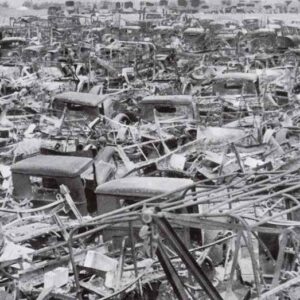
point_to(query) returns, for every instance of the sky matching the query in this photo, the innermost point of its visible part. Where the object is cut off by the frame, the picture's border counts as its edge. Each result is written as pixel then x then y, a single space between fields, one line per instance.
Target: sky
pixel 18 3
pixel 15 3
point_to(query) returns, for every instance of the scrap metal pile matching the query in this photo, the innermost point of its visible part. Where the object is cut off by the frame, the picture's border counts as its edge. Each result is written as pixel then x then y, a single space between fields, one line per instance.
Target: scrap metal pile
pixel 158 159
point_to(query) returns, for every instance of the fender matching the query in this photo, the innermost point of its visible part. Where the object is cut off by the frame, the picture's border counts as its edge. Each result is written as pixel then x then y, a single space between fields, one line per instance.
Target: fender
pixel 25 71
pixel 121 117
pixel 82 81
pixel 79 70
pixel 186 89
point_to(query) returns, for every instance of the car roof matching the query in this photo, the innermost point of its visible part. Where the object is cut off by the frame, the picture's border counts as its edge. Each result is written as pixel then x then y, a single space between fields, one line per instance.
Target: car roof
pixel 52 166
pixel 12 39
pixel 192 30
pixel 237 76
pixel 142 186
pixel 84 99
pixel 34 48
pixel 131 27
pixel 168 99
pixel 163 27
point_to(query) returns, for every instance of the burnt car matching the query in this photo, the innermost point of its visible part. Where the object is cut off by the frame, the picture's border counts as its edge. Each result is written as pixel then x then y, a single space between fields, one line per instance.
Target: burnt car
pixel 89 106
pixel 193 38
pixel 11 48
pixel 237 84
pixel 123 192
pixel 175 107
pixel 33 53
pixel 228 94
pixel 38 179
pixel 251 24
pixel 79 105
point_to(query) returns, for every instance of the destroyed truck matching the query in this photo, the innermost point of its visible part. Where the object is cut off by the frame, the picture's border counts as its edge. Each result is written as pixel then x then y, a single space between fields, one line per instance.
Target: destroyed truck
pixel 175 108
pixel 172 114
pixel 123 192
pixel 38 178
pixel 193 38
pixel 11 49
pixel 228 95
pixel 79 105
pixel 84 111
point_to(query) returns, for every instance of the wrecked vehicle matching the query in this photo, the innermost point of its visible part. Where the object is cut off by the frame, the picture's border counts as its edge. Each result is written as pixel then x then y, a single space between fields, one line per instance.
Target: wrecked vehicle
pixel 230 94
pixel 38 178
pixel 126 191
pixel 33 53
pixel 80 105
pixel 193 38
pixel 11 49
pixel 176 107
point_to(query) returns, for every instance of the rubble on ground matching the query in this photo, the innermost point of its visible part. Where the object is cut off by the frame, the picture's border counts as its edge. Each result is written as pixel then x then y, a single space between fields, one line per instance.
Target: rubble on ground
pixel 156 159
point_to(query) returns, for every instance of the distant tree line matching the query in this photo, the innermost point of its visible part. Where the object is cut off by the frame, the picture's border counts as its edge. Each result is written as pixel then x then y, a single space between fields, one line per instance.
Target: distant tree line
pixel 42 5
pixel 4 4
pixel 193 3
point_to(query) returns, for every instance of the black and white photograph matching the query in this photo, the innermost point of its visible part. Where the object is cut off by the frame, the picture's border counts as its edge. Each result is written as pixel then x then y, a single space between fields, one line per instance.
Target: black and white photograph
pixel 150 150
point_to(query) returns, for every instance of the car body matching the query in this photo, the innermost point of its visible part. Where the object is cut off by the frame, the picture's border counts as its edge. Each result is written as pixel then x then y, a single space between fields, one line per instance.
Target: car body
pixel 11 47
pixel 179 107
pixel 79 105
pixel 38 179
pixel 122 192
pixel 32 53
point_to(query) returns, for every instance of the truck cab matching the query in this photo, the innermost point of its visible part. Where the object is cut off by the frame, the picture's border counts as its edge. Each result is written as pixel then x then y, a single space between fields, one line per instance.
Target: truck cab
pixel 130 190
pixel 38 179
pixel 11 48
pixel 193 38
pixel 79 105
pixel 175 107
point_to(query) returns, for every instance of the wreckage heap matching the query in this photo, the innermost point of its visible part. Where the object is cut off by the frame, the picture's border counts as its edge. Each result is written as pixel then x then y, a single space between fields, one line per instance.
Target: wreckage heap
pixel 155 159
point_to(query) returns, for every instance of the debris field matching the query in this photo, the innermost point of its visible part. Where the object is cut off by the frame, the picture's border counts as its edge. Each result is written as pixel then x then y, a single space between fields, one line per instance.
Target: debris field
pixel 149 159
